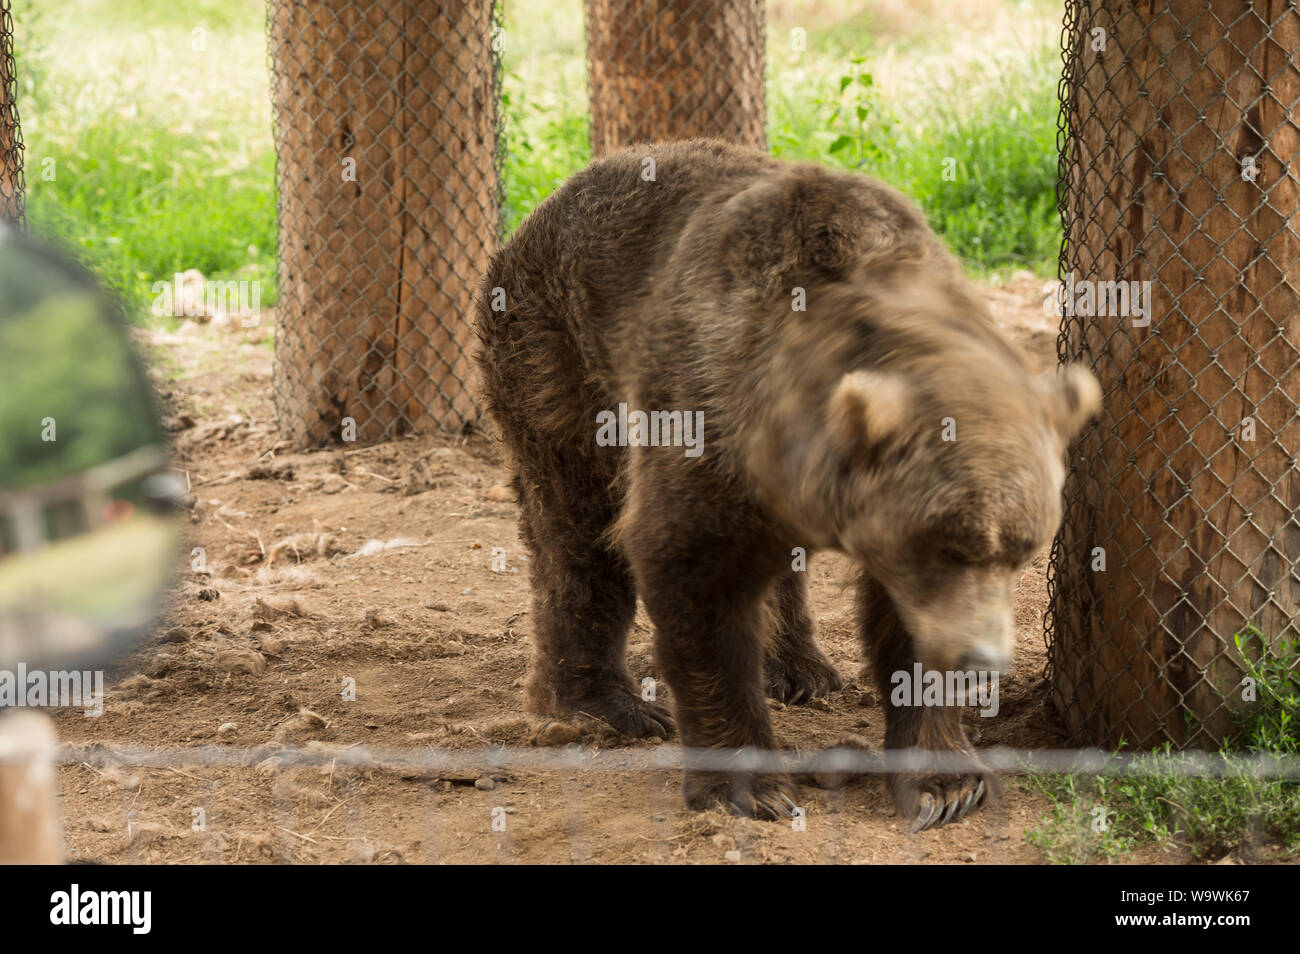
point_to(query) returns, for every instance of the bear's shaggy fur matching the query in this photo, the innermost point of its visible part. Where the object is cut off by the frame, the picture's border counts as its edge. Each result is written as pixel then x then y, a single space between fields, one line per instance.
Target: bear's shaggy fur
pixel 855 395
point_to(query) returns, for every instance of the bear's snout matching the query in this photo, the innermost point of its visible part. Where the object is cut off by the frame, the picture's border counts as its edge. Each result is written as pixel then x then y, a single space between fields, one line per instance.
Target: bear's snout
pixel 984 658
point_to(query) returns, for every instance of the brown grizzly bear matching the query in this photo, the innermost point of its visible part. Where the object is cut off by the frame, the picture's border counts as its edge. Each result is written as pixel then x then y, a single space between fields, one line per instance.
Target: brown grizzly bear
pixel 701 358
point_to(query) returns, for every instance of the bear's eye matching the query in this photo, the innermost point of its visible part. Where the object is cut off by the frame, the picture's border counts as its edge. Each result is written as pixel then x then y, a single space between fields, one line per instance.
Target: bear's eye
pixel 954 555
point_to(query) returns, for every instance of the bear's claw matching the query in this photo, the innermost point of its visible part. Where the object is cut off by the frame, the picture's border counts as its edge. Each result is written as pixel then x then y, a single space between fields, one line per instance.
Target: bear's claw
pixel 945 801
pixel 762 796
pixel 799 680
pixel 640 721
pixel 624 710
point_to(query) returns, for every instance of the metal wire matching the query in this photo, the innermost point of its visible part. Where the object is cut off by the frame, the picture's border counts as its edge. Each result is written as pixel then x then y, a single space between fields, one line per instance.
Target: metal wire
pixel 662 758
pixel 1178 168
pixel 12 185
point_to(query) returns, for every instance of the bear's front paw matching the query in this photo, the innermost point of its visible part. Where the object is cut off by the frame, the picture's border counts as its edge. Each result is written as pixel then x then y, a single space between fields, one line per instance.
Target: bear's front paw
pixel 765 796
pixel 932 801
pixel 798 680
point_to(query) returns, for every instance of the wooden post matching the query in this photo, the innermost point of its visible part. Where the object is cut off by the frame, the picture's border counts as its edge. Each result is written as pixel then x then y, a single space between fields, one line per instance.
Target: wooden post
pixel 1183 168
pixel 385 116
pixel 675 69
pixel 29 821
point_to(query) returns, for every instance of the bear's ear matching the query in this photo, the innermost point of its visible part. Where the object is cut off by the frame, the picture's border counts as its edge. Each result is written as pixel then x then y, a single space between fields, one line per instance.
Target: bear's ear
pixel 866 409
pixel 1075 396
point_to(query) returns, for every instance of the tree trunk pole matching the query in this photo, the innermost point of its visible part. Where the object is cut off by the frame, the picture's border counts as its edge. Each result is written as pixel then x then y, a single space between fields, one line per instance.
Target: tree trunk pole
pixel 675 69
pixel 385 118
pixel 1183 162
pixel 29 820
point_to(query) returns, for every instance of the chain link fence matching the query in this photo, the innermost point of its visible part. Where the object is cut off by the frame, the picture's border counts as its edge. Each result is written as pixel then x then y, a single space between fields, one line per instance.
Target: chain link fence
pixel 388 140
pixel 11 140
pixel 386 128
pixel 1175 572
pixel 675 69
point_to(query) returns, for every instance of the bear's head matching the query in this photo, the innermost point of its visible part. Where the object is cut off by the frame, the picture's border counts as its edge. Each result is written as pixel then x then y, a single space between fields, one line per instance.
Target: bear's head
pixel 963 486
pixel 915 437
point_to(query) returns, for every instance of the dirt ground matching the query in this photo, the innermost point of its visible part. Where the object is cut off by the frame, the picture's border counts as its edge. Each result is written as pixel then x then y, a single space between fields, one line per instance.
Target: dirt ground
pixel 372 567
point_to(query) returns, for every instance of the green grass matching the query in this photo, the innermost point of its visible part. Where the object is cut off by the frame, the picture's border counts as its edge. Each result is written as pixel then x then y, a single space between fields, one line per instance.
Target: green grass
pixel 544 103
pixel 138 200
pixel 1098 818
pixel 144 155
pixel 162 158
pixel 542 150
pixel 974 144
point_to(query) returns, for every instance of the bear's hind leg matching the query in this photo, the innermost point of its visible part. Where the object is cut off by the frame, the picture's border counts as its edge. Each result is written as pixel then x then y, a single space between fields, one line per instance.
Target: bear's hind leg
pixel 929 797
pixel 795 670
pixel 583 600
